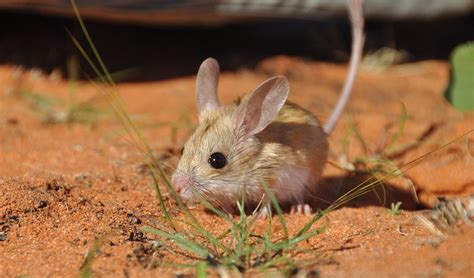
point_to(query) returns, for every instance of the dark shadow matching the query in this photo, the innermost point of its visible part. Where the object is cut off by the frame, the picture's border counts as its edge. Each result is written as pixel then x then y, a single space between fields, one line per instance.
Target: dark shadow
pixel 331 188
pixel 160 52
pixel 36 41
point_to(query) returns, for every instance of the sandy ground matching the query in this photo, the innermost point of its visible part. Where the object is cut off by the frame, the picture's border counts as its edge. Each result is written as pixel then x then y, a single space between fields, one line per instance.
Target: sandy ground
pixel 64 185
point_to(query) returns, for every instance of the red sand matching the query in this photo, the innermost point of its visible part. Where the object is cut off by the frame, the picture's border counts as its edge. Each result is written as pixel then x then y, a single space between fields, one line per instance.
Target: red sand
pixel 62 186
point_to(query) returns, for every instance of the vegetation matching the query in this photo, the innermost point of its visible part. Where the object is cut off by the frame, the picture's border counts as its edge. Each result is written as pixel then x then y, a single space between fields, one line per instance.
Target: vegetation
pixel 395 208
pixel 379 161
pixel 55 110
pixel 460 91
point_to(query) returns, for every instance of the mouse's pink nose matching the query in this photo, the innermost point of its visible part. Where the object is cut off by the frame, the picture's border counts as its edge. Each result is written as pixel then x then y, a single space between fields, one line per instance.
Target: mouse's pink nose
pixel 182 182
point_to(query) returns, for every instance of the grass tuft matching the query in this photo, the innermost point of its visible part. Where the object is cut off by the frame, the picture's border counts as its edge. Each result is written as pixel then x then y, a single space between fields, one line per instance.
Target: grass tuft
pixel 378 163
pixel 395 208
pixel 54 110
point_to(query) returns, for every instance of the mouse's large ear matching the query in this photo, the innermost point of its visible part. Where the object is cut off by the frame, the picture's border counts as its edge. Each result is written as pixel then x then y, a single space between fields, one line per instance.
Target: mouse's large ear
pixel 206 86
pixel 262 106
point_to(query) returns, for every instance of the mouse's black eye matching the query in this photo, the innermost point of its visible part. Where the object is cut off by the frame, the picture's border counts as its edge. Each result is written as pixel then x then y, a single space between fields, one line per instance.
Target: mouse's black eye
pixel 217 160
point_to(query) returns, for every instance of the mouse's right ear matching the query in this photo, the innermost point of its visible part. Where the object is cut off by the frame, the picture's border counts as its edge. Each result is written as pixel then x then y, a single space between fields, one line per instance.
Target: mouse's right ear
pixel 206 86
pixel 262 106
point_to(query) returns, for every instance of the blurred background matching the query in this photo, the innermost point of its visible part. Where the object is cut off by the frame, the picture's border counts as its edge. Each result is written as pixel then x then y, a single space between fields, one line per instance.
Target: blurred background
pixel 153 40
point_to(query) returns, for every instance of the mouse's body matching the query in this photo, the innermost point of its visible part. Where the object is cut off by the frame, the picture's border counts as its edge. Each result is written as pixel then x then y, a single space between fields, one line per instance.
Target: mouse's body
pixel 288 155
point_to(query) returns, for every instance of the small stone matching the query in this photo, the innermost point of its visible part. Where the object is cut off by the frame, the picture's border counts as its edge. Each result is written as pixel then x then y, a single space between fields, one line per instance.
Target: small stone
pixel 142 169
pixel 12 121
pixel 43 204
pixel 3 236
pixel 13 218
pixel 80 177
pixel 132 219
pixel 313 274
pixel 136 235
pixel 155 244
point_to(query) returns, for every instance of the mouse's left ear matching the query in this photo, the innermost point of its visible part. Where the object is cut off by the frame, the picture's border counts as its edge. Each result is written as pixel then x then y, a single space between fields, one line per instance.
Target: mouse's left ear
pixel 262 106
pixel 206 86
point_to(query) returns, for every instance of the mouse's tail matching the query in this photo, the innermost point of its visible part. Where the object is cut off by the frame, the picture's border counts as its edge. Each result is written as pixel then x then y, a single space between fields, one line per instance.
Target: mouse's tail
pixel 356 15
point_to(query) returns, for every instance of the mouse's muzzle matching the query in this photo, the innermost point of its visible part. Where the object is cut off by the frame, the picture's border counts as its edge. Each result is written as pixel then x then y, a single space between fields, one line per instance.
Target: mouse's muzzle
pixel 182 184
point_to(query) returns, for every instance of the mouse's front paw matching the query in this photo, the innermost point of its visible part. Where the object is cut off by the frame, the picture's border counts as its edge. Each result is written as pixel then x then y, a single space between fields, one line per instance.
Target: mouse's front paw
pixel 303 209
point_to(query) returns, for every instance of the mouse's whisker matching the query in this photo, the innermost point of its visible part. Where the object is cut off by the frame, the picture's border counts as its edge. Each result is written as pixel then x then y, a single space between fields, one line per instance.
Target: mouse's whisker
pixel 204 193
pixel 288 189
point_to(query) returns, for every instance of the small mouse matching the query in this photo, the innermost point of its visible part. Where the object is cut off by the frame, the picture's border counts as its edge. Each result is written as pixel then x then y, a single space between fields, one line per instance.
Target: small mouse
pixel 260 139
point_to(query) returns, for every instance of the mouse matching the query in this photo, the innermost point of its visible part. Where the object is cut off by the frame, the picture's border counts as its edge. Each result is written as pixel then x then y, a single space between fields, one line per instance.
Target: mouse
pixel 261 140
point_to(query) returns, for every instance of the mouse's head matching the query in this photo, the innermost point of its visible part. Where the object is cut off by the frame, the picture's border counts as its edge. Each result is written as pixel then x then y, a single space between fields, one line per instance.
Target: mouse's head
pixel 219 160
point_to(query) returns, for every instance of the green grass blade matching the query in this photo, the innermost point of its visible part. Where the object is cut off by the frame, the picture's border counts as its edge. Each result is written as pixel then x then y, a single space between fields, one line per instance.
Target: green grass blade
pixel 401 129
pixel 91 43
pixel 201 270
pixel 316 217
pixel 181 241
pixel 85 269
pixel 277 208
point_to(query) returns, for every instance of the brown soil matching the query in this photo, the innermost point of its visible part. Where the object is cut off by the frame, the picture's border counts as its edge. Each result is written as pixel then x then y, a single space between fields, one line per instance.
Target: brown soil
pixel 64 185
